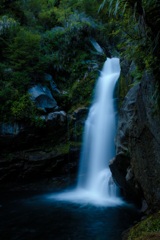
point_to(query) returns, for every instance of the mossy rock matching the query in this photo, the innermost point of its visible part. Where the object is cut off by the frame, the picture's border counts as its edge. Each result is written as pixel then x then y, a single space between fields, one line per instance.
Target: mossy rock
pixel 147 229
pixel 150 236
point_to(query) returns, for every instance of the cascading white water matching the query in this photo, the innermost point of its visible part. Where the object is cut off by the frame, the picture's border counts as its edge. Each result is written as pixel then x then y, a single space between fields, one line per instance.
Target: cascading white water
pixel 98 144
pixel 95 184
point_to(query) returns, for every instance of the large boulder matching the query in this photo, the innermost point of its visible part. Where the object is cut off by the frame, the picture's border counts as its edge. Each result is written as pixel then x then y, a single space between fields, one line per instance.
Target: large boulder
pixel 136 167
pixel 42 97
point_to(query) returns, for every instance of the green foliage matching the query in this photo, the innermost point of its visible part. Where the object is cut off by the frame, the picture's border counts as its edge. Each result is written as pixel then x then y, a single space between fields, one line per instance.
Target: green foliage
pixel 81 92
pixel 69 48
pixel 47 18
pixel 25 53
pixel 146 228
pixel 138 32
pixel 38 37
pixel 62 148
pixel 123 88
pixel 69 44
pixel 54 37
pixel 64 101
pixel 135 31
pixel 8 28
pixel 23 108
pixel 7 24
pixel 20 81
pixel 35 120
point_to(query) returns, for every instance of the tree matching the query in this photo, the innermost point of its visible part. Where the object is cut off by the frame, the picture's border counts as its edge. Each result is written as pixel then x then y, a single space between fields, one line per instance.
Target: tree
pixel 25 54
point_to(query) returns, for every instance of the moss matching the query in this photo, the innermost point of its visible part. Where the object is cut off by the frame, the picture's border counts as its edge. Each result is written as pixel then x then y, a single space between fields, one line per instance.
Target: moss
pixel 76 144
pixel 146 229
pixel 122 88
pixel 62 148
pixel 81 92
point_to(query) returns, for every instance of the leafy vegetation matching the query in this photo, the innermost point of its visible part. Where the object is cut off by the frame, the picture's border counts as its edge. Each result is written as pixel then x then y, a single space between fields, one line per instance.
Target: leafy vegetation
pixel 136 34
pixel 56 37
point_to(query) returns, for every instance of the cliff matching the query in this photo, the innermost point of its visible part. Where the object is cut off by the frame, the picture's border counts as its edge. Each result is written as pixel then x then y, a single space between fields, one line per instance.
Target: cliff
pixel 136 166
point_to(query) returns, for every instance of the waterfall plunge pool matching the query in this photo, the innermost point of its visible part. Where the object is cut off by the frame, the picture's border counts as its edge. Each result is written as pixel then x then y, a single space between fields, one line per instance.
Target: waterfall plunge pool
pixel 27 216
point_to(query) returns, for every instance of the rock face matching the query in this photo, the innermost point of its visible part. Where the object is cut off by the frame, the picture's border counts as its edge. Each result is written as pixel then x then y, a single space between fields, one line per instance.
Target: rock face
pixel 11 128
pixel 32 165
pixel 48 78
pixel 78 119
pixel 28 153
pixel 19 135
pixel 42 97
pixel 136 167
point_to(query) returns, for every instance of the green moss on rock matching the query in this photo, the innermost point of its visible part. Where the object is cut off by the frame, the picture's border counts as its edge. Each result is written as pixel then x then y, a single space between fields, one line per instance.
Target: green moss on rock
pixel 147 229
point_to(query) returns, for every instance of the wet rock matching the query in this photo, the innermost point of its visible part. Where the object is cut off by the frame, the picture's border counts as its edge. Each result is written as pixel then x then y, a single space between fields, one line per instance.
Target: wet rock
pixel 48 78
pixel 35 165
pixel 18 136
pixel 77 121
pixel 57 118
pixel 42 97
pixel 11 129
pixel 80 114
pixel 129 175
pixel 138 139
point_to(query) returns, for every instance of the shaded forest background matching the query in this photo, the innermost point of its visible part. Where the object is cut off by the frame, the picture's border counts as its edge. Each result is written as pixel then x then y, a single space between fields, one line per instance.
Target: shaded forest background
pixel 57 37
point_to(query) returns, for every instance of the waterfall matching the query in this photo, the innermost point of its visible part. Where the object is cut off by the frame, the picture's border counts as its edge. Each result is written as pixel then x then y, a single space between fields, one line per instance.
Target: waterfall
pixel 95 184
pixel 98 142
